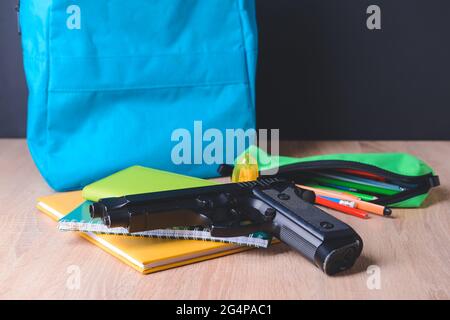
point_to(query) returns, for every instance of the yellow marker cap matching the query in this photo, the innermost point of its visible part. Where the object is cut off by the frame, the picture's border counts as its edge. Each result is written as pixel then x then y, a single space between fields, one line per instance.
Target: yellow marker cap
pixel 246 169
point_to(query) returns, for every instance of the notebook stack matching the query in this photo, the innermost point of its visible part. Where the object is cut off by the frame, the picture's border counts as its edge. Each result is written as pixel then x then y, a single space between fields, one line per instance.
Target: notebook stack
pixel 148 251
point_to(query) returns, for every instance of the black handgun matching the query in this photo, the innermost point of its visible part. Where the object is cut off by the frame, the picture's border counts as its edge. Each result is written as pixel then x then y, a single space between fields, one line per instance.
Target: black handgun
pixel 269 205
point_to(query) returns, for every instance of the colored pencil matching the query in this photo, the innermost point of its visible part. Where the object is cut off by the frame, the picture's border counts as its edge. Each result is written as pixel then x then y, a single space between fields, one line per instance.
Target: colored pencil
pixel 360 204
pixel 364 181
pixel 363 174
pixel 362 196
pixel 373 208
pixel 346 203
pixel 329 193
pixel 336 206
pixel 355 186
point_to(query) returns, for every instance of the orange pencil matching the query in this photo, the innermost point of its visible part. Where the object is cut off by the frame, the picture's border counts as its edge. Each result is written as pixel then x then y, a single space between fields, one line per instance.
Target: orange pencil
pixel 329 193
pixel 373 208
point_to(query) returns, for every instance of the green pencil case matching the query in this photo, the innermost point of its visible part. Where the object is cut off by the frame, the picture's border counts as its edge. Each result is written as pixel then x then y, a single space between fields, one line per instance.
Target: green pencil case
pixel 413 176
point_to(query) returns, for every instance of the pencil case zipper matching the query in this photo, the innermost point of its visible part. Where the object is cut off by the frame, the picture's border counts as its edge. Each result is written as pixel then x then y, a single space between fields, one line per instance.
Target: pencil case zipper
pixel 422 183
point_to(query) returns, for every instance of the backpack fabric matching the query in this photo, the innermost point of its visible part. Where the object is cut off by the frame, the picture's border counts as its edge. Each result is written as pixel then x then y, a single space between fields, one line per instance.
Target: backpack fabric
pixel 110 80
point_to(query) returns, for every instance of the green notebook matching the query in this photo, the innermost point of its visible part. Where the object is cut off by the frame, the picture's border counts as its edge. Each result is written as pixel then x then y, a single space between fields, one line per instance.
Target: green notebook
pixel 135 180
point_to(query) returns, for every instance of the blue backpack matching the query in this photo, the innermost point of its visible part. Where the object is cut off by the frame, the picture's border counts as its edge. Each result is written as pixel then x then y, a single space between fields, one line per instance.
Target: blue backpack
pixel 110 80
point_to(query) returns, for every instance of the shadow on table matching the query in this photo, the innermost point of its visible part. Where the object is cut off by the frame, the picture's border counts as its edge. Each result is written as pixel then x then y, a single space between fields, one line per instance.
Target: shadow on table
pixel 361 265
pixel 437 195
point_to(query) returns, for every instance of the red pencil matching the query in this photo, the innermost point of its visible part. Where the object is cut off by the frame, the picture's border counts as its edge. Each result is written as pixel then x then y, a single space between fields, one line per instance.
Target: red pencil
pixel 336 206
pixel 363 174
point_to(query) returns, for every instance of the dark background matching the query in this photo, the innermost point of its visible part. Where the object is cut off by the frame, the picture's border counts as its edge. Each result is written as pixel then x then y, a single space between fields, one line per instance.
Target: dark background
pixel 322 74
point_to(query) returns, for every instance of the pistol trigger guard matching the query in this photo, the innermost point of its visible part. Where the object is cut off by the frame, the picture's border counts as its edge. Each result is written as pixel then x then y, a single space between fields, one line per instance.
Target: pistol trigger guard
pixel 226 231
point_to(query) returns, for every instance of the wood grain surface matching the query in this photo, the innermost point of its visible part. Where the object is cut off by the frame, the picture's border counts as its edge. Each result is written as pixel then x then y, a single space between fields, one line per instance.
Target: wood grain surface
pixel 411 249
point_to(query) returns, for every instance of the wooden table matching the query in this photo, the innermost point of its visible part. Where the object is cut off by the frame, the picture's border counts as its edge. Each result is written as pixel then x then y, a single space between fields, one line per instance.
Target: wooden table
pixel 410 250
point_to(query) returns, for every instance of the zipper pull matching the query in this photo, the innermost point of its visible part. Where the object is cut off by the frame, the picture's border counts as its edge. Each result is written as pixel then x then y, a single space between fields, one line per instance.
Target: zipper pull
pixel 19 28
pixel 434 181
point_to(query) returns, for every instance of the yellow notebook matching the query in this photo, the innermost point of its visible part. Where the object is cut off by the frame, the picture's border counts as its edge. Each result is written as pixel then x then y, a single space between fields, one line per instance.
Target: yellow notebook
pixel 146 255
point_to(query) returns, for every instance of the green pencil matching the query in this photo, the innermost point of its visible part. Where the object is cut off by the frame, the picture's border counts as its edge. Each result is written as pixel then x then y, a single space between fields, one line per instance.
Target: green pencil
pixel 355 186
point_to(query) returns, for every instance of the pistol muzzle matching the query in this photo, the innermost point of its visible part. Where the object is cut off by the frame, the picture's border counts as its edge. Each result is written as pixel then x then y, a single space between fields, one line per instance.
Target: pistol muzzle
pixel 97 210
pixel 117 218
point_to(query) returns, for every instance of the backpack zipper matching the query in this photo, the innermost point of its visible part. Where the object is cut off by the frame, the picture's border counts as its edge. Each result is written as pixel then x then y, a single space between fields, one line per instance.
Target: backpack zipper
pixel 19 28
